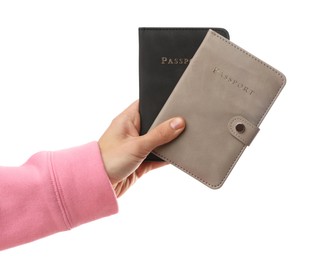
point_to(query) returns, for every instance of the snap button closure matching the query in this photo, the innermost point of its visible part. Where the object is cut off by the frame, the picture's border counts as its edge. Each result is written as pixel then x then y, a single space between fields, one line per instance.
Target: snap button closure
pixel 240 128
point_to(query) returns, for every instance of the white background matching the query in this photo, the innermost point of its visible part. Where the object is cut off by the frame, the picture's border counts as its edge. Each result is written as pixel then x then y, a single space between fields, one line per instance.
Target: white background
pixel 67 68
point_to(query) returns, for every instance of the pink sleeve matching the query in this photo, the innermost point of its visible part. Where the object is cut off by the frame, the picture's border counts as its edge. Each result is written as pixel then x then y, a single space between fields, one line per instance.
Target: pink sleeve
pixel 53 192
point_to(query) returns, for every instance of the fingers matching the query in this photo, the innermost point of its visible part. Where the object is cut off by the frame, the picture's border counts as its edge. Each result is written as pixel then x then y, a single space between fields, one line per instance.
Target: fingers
pixel 163 133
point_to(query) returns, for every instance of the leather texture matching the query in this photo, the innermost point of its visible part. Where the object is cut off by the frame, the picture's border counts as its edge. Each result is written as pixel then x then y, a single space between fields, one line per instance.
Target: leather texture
pixel 164 54
pixel 223 95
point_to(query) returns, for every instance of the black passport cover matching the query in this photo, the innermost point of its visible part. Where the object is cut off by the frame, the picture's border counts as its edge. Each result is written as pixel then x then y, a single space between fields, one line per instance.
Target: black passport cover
pixel 164 54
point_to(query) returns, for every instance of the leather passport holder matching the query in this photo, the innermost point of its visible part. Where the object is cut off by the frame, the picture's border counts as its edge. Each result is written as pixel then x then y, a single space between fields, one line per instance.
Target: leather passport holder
pixel 223 95
pixel 164 54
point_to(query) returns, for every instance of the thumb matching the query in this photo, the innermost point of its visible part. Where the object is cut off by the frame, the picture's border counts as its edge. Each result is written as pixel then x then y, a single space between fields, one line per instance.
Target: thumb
pixel 163 133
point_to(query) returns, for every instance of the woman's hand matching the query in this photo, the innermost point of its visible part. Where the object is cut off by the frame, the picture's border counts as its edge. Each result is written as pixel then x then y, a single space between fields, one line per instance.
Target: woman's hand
pixel 123 150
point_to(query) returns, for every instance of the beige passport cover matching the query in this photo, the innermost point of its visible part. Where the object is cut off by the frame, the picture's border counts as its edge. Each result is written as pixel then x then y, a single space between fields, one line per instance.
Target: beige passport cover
pixel 223 95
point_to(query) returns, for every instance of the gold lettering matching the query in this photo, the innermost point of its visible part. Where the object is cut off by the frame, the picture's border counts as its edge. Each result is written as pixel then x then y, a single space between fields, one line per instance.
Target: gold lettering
pixel 174 61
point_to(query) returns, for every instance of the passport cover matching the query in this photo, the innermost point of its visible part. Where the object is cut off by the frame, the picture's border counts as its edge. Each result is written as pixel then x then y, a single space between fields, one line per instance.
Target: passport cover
pixel 164 54
pixel 223 95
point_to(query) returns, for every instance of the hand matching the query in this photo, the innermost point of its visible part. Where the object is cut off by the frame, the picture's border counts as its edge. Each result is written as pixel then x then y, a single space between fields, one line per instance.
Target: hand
pixel 123 150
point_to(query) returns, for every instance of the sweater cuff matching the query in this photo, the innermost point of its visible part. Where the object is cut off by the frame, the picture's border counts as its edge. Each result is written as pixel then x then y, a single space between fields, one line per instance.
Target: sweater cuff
pixel 83 191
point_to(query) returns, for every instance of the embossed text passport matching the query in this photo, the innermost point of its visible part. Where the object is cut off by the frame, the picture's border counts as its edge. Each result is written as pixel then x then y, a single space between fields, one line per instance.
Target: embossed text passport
pixel 164 54
pixel 223 95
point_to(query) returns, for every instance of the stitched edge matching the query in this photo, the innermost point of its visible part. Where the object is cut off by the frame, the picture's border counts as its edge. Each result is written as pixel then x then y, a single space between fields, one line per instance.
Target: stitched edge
pixel 251 56
pixel 185 170
pixel 222 31
pixel 283 79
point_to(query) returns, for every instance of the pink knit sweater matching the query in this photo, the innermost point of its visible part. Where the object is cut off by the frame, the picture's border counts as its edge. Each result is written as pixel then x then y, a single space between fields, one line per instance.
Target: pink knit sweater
pixel 53 192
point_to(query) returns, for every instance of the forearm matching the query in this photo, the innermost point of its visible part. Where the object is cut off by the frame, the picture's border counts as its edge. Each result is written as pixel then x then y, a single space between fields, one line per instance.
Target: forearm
pixel 53 192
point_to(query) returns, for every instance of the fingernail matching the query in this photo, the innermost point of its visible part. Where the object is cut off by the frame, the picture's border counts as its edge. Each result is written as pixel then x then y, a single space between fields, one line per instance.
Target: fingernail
pixel 176 123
